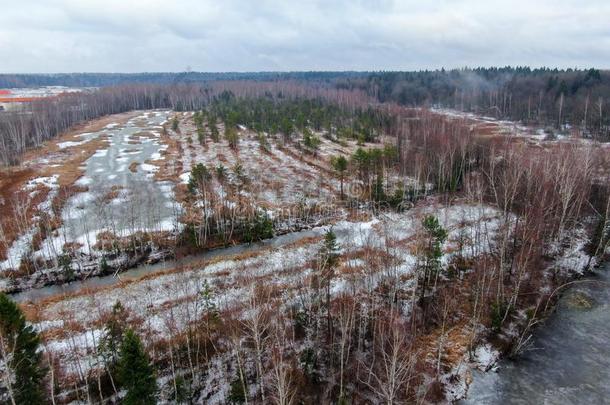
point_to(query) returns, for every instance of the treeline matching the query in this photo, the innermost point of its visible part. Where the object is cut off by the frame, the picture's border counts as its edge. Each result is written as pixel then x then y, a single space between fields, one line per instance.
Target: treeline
pixel 546 97
pixel 113 79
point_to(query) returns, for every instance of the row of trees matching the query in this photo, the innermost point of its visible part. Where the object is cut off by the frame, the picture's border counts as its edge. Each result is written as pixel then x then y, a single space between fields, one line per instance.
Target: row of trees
pixel 43 120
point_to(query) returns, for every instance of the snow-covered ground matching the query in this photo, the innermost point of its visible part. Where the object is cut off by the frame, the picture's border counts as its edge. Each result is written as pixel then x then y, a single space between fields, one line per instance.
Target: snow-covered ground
pixel 281 176
pixel 127 186
pixel 141 204
pixel 176 295
pixel 509 128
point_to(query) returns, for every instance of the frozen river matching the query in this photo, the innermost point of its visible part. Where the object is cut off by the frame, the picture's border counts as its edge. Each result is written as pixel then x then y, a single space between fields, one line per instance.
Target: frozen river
pixel 568 361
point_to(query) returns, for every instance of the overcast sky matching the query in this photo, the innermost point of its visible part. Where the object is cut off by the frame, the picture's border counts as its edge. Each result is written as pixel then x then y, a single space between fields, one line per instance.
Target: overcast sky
pixel 253 35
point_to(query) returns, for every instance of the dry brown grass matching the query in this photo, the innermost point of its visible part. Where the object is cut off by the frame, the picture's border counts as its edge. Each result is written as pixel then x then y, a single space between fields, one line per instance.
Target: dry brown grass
pixel 317 162
pixel 12 181
pixel 170 167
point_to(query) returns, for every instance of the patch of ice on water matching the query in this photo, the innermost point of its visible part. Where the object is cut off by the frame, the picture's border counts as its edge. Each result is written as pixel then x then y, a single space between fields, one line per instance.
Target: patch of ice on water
pixel 87 134
pixel 130 152
pixel 149 168
pixel 69 144
pixel 166 187
pixel 167 224
pixel 50 182
pixel 84 181
pixel 485 356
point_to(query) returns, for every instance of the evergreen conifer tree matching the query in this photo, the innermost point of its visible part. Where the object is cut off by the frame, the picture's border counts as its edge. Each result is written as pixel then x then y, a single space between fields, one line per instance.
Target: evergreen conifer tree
pixel 431 252
pixel 19 351
pixel 136 374
pixel 329 259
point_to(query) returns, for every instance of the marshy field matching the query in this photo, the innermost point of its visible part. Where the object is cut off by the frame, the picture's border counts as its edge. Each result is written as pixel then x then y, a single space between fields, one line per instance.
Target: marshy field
pixel 284 242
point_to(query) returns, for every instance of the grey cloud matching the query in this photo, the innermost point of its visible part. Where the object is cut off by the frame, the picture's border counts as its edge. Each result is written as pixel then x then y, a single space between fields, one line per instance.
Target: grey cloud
pixel 246 35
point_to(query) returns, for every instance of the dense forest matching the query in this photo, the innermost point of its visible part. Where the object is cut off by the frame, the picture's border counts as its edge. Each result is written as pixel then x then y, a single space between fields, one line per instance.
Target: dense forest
pixel 547 97
pixel 561 99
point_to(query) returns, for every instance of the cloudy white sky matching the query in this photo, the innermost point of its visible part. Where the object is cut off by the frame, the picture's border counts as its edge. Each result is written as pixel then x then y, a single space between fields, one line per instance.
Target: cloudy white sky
pixel 253 35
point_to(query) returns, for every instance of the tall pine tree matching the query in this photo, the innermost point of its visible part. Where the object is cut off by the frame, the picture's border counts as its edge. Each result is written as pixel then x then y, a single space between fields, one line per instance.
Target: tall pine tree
pixel 339 163
pixel 114 329
pixel 136 374
pixel 19 351
pixel 329 255
pixel 434 236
